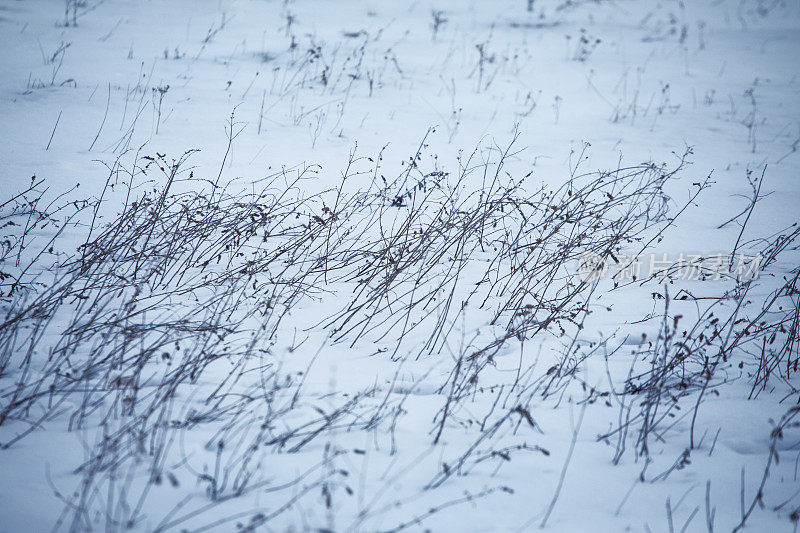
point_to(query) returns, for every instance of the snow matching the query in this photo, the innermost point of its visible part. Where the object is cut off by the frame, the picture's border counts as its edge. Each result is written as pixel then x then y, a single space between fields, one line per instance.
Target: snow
pixel 341 95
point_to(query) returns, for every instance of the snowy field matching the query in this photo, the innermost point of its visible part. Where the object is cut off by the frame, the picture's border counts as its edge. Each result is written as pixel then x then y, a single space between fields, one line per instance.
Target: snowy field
pixel 380 266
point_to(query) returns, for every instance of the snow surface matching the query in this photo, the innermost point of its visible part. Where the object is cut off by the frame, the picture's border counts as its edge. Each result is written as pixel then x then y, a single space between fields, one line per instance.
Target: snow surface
pixel 304 84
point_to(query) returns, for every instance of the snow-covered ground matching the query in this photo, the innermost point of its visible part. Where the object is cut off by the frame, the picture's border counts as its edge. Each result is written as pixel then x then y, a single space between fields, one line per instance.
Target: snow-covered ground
pixel 299 265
